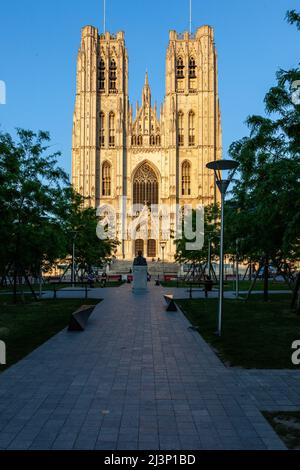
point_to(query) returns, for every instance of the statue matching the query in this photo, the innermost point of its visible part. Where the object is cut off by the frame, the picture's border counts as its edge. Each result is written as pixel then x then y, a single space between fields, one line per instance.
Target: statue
pixel 140 260
pixel 140 274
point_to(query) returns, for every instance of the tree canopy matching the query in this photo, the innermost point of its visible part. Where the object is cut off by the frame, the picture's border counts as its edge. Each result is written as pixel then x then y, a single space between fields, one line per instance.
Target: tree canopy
pixel 211 235
pixel 264 211
pixel 39 210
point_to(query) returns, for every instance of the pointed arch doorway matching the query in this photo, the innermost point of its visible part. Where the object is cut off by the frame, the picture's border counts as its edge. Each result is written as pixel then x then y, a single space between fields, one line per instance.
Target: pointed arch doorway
pixel 145 192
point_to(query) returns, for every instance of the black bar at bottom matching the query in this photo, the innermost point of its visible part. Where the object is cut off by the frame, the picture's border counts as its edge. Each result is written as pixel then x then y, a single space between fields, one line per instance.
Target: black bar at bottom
pixel 153 459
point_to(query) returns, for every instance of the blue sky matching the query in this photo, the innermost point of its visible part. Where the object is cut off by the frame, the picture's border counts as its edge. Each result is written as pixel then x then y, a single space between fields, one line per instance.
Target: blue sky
pixel 39 42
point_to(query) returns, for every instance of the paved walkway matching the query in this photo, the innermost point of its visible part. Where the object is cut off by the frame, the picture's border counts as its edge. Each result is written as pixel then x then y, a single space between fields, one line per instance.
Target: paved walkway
pixel 137 378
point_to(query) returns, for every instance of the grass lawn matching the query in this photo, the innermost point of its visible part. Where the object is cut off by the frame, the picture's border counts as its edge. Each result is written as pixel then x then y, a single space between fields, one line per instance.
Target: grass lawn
pixel 24 327
pixel 287 426
pixel 230 285
pixel 255 334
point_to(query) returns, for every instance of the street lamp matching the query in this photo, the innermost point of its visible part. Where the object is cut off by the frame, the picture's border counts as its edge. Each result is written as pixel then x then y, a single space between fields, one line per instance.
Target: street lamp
pixel 219 166
pixel 74 233
pixel 237 269
pixel 163 246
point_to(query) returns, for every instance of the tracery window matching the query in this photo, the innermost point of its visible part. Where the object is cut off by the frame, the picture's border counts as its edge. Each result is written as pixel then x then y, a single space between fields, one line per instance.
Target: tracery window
pixel 112 75
pixel 192 68
pixel 180 129
pixel 111 129
pixel 179 68
pixel 106 179
pixel 191 128
pixel 102 129
pixel 102 75
pixel 145 185
pixel 186 178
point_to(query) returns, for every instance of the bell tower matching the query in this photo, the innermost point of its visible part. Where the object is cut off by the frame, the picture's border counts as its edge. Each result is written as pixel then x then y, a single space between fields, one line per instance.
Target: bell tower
pixel 193 131
pixel 100 117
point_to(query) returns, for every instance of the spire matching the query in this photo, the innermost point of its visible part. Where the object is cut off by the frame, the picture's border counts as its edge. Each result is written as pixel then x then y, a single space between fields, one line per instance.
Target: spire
pixel 146 91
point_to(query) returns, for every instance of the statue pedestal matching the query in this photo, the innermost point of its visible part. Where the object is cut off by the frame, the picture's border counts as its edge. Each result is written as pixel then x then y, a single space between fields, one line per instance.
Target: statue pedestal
pixel 140 274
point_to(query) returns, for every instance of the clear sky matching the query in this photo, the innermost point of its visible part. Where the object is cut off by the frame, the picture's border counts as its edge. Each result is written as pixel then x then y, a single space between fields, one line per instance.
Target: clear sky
pixel 39 42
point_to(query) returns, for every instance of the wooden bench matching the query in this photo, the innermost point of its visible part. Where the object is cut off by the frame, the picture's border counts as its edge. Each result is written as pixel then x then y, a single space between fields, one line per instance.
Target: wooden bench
pixel 171 306
pixel 207 287
pixel 80 318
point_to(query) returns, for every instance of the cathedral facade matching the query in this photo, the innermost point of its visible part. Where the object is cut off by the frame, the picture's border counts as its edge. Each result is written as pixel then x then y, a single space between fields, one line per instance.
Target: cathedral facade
pixel 122 157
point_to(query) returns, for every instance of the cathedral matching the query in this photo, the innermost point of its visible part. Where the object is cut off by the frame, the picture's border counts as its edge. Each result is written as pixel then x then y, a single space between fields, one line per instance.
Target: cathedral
pixel 122 157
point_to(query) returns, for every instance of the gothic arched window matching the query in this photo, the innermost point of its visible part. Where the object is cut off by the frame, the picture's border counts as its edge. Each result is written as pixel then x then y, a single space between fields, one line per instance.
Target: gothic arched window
pixel 191 128
pixel 145 185
pixel 180 129
pixel 111 129
pixel 192 68
pixel 158 140
pixel 102 129
pixel 112 75
pixel 152 140
pixel 106 179
pixel 133 140
pixel 186 178
pixel 102 75
pixel 140 140
pixel 179 68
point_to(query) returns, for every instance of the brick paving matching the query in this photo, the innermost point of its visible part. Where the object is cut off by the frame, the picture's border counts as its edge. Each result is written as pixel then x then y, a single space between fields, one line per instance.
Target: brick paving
pixel 138 378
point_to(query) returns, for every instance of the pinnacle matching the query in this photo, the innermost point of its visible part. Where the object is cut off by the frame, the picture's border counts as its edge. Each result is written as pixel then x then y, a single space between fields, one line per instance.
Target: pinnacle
pixel 146 78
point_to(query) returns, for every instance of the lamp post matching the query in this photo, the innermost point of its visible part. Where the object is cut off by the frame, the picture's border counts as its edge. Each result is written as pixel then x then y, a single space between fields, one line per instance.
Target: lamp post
pixel 74 233
pixel 237 269
pixel 209 256
pixel 163 246
pixel 219 166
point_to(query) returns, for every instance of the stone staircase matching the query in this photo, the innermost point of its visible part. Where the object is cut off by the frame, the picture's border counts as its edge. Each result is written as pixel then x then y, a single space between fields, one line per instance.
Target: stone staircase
pixel 154 268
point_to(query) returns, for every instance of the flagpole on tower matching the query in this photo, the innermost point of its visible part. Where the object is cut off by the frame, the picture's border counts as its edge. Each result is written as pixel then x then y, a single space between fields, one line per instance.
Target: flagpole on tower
pixel 190 16
pixel 104 16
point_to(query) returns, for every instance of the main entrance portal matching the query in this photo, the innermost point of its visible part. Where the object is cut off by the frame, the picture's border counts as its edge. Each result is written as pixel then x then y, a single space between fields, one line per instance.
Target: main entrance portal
pixel 145 192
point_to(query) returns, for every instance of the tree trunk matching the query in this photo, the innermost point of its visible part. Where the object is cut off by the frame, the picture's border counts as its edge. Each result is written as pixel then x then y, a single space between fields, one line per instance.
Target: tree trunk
pixel 29 284
pixel 254 280
pixel 266 279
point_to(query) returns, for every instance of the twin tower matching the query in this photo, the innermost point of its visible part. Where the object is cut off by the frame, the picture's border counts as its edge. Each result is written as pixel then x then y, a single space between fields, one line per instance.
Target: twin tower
pixel 143 156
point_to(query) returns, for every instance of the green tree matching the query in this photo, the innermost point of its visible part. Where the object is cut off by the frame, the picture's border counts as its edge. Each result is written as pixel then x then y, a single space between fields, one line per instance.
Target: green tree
pixel 211 235
pixel 39 209
pixel 80 226
pixel 265 208
pixel 31 192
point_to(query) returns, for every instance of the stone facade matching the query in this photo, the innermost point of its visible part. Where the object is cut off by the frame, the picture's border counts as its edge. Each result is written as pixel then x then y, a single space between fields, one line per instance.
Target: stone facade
pixel 142 156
